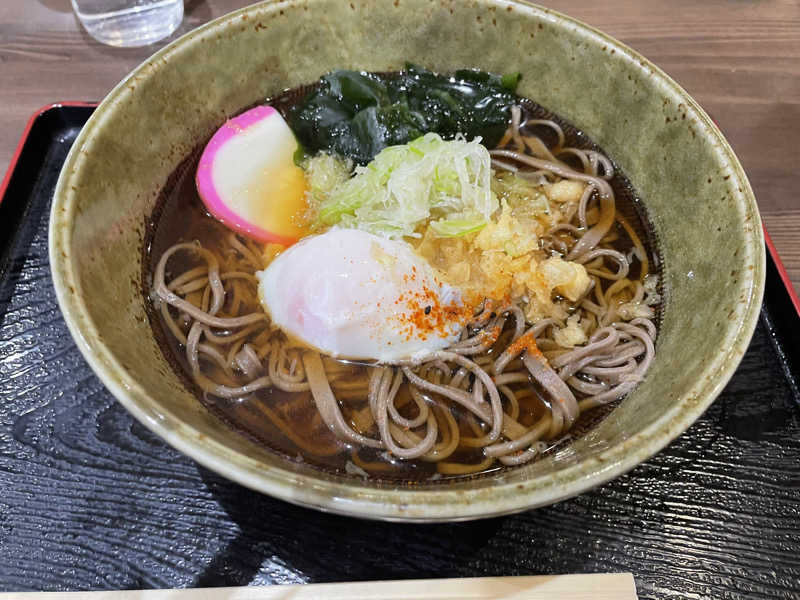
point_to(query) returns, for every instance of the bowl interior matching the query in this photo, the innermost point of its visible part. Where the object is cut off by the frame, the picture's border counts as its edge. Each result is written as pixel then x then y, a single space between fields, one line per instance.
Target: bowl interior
pixel 697 198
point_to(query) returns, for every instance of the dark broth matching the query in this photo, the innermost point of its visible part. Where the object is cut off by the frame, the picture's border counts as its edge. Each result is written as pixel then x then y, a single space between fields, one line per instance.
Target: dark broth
pixel 180 216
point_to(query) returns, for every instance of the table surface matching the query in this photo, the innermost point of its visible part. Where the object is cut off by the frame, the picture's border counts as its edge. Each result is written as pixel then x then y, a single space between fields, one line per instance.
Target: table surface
pixel 740 60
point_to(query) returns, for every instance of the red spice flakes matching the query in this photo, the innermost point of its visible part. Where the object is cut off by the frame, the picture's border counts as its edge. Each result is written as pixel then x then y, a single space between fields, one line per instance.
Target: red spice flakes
pixel 489 336
pixel 527 343
pixel 424 315
pixel 486 312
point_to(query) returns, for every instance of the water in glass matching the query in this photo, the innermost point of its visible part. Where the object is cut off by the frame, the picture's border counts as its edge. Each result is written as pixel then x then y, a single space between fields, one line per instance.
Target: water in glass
pixel 129 22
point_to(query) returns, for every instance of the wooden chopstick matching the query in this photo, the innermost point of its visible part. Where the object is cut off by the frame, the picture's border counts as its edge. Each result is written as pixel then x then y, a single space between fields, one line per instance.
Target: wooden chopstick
pixel 604 586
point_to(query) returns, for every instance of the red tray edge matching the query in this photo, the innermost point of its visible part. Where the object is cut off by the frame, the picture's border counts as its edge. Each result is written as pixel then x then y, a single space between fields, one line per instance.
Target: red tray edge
pixel 784 275
pixel 26 132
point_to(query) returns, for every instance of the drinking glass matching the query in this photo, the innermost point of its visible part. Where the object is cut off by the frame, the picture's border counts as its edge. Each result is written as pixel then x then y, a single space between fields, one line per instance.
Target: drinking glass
pixel 129 22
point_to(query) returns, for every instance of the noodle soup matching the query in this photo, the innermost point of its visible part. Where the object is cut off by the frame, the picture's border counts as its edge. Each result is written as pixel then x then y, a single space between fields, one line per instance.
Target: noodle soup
pixel 518 381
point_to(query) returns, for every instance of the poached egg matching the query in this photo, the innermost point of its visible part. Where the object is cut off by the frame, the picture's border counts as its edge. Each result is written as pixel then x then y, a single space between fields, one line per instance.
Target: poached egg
pixel 352 294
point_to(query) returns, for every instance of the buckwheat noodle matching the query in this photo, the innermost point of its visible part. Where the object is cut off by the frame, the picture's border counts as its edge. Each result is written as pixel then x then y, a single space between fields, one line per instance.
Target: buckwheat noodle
pixel 421 409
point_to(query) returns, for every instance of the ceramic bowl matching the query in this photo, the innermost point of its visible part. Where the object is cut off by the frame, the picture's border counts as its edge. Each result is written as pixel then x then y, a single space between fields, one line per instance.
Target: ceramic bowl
pixel 697 197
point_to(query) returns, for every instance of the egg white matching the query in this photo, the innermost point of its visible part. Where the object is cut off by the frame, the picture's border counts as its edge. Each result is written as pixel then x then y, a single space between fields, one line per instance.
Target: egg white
pixel 352 294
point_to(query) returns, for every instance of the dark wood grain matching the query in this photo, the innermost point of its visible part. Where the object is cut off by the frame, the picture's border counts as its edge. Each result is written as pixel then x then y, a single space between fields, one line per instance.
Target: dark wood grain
pixel 739 59
pixel 90 499
pixel 784 229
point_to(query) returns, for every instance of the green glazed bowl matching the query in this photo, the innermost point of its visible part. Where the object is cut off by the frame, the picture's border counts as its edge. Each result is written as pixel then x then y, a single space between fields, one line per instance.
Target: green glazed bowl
pixel 694 189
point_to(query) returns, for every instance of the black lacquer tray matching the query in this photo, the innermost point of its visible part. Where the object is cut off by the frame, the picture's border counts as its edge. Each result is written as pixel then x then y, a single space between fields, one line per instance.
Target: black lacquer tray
pixel 90 499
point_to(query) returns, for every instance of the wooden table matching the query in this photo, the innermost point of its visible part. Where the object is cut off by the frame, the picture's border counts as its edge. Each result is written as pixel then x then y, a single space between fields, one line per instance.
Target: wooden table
pixel 740 60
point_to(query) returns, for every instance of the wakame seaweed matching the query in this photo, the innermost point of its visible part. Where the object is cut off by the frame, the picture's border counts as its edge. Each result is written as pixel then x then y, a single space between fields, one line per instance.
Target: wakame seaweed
pixel 358 114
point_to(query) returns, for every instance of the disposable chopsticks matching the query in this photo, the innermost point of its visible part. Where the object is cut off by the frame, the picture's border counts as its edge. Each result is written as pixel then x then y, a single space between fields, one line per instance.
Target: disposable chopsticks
pixel 606 586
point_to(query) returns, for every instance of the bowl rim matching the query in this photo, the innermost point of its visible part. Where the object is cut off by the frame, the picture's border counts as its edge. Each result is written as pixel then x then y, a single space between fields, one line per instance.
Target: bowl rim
pixel 353 498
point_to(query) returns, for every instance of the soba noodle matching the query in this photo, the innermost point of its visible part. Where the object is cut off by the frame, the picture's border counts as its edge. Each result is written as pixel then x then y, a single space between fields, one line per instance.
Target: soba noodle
pixel 418 410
